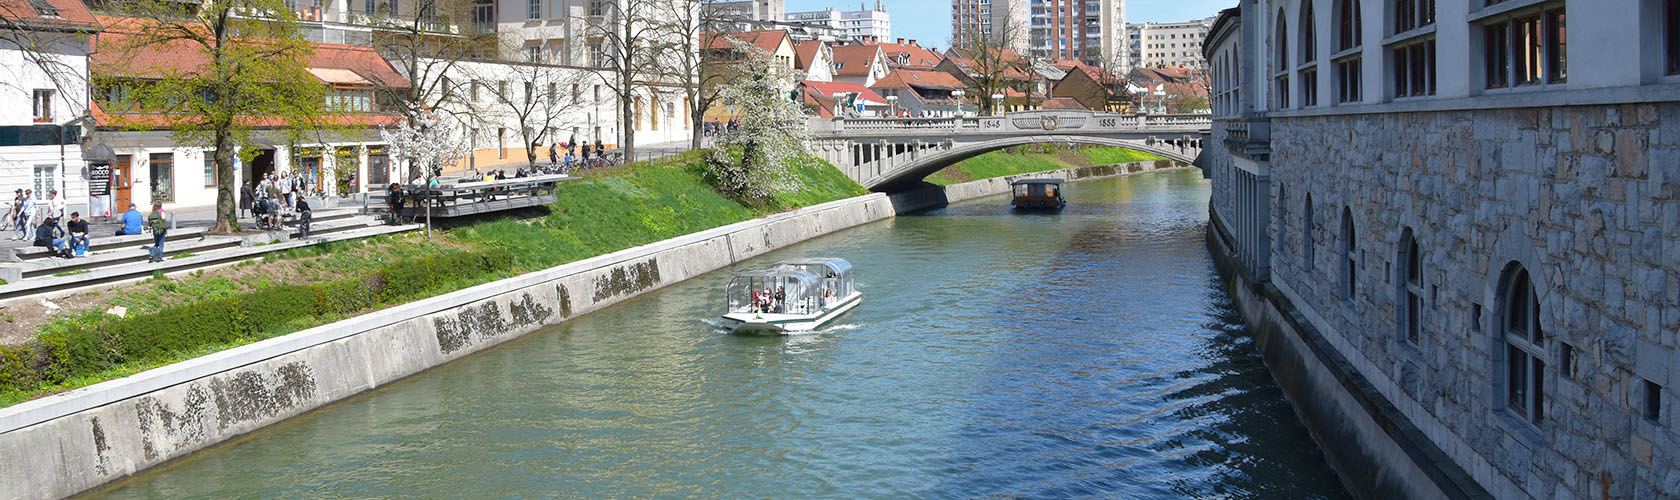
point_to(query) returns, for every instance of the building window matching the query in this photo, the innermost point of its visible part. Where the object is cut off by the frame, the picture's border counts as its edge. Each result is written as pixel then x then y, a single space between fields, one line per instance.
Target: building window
pixel 1309 33
pixel 1347 79
pixel 1309 86
pixel 597 57
pixel 1413 14
pixel 1527 48
pixel 1350 255
pixel 162 166
pixel 41 106
pixel 209 169
pixel 1523 349
pixel 1413 59
pixel 1653 401
pixel 46 180
pixel 1280 62
pixel 534 53
pixel 1307 237
pixel 1348 25
pixel 535 10
pixel 1411 288
pixel 1671 27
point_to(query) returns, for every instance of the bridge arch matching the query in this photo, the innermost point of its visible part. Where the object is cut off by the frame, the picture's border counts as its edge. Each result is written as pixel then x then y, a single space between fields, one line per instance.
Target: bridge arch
pixel 910 174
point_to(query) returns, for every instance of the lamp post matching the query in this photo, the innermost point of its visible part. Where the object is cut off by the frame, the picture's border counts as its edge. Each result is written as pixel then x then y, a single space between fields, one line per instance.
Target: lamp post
pixel 892 103
pixel 997 104
pixel 958 95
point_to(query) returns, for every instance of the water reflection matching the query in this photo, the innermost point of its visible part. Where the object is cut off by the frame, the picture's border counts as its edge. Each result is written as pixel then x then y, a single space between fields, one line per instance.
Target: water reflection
pixel 1087 353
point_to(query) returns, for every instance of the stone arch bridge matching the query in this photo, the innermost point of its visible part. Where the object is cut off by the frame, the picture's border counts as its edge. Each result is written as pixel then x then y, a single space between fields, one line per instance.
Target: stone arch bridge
pixel 894 154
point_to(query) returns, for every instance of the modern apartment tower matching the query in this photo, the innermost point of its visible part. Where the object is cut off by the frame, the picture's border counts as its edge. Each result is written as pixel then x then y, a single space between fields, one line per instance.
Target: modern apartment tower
pixel 1089 31
pixel 1168 44
pixel 990 20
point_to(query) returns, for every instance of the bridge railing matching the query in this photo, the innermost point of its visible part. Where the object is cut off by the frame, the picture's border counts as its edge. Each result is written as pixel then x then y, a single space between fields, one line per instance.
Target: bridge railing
pixel 1023 121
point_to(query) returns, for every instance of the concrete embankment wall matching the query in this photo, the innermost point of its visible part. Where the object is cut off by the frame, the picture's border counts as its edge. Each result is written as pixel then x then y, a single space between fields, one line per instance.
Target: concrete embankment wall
pixel 72 442
pixel 1375 451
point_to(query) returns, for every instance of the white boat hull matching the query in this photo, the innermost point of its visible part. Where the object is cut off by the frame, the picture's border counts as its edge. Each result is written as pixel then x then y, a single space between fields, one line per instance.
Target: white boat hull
pixel 778 323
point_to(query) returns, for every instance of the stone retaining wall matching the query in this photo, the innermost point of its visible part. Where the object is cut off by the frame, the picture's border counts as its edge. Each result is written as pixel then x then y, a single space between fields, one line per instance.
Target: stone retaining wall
pixel 72 442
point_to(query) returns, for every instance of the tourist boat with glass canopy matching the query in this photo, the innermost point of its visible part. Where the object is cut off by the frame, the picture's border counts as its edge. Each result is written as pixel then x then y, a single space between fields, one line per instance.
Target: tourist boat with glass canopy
pixel 1037 194
pixel 790 296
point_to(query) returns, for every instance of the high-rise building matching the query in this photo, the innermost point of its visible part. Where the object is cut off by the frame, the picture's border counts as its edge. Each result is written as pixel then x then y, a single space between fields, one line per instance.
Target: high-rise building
pixel 856 24
pixel 1168 44
pixel 993 21
pixel 1089 31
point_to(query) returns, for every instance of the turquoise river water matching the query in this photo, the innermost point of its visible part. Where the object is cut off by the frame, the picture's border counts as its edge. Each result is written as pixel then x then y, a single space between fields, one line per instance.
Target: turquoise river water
pixel 1086 354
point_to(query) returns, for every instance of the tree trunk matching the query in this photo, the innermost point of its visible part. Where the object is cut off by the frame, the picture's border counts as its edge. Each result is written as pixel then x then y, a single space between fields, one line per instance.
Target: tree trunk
pixel 696 123
pixel 226 207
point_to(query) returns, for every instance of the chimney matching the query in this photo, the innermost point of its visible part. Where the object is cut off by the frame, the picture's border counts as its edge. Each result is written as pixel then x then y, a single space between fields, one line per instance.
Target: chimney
pixel 913 43
pixel 901 41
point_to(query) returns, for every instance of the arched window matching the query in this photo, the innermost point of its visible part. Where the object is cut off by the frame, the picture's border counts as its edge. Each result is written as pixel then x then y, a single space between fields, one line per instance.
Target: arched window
pixel 1349 26
pixel 1307 237
pixel 1350 254
pixel 1308 40
pixel 1309 33
pixel 1411 288
pixel 1280 61
pixel 1524 344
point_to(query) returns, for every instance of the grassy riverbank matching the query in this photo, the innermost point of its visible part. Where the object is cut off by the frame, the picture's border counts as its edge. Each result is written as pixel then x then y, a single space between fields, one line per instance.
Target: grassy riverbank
pixel 170 320
pixel 1034 158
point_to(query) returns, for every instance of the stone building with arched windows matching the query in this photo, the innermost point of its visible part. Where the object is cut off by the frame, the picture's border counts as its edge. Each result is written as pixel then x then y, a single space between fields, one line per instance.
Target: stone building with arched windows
pixel 1455 232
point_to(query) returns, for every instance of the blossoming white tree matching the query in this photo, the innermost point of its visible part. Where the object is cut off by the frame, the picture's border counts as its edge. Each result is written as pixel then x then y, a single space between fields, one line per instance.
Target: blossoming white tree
pixel 427 144
pixel 756 158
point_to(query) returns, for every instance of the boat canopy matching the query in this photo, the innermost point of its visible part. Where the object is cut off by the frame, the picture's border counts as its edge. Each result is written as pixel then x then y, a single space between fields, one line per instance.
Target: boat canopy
pixel 777 290
pixel 835 272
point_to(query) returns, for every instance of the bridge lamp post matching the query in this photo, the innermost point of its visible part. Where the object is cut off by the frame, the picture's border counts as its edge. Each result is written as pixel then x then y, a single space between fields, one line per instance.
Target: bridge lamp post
pixel 958 95
pixel 997 104
pixel 892 103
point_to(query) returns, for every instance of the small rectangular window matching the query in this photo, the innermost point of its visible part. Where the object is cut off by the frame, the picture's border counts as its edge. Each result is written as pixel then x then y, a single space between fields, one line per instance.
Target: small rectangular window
pixel 1557 38
pixel 209 169
pixel 1653 400
pixel 1671 33
pixel 42 105
pixel 1496 62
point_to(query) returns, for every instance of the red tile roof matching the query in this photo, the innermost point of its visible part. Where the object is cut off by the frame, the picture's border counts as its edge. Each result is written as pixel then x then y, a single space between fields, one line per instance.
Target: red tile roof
pixel 122 55
pixel 920 78
pixel 805 52
pixel 908 56
pixel 71 14
pixel 767 40
pixel 1062 103
pixel 854 60
pixel 828 89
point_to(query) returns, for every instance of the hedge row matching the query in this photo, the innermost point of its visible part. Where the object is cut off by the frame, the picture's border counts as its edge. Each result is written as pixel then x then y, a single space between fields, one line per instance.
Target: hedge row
pixel 79 350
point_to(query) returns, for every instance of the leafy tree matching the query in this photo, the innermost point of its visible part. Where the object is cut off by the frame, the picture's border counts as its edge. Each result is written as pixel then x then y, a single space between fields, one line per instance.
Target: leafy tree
pixel 755 159
pixel 213 74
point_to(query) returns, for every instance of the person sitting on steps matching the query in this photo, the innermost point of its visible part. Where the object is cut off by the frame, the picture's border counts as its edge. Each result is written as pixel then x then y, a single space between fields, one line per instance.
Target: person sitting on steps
pixel 131 221
pixel 78 234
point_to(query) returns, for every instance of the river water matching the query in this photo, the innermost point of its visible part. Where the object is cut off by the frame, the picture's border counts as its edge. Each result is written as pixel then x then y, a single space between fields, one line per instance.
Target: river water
pixel 1086 354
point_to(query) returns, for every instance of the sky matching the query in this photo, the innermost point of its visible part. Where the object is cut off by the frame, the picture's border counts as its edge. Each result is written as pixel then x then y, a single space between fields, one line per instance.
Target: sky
pixel 929 21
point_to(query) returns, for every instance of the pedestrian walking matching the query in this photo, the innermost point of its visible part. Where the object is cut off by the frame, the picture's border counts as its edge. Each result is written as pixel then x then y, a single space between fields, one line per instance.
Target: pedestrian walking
pixel 57 204
pixel 26 216
pixel 285 183
pixel 158 221
pixel 552 157
pixel 246 195
pixel 14 211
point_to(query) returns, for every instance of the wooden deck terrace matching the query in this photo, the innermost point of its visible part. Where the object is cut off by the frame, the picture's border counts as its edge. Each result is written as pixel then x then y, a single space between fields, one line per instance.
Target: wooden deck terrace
pixel 478 197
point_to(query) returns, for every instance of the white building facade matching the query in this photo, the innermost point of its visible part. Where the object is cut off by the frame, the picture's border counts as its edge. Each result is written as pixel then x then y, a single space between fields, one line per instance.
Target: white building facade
pixel 853 25
pixel 43 103
pixel 1168 44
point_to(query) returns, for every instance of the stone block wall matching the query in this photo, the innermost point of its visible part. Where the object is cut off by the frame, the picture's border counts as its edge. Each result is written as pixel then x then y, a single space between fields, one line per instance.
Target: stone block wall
pixel 1585 198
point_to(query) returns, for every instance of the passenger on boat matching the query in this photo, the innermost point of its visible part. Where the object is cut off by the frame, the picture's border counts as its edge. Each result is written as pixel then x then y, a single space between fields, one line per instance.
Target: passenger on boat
pixel 781 295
